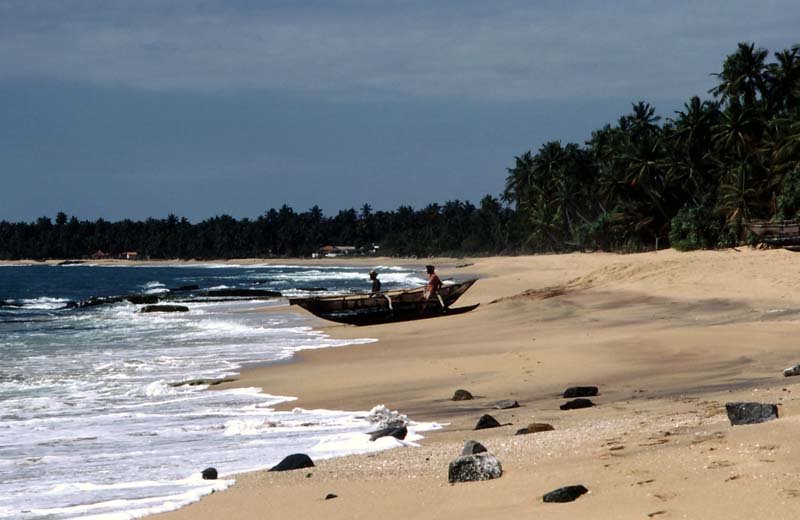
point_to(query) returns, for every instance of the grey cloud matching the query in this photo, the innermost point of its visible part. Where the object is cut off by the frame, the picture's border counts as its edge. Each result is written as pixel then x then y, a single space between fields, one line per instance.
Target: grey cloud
pixel 512 51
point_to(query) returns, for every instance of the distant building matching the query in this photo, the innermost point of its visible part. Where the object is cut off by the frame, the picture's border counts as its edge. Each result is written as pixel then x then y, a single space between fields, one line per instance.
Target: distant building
pixel 98 255
pixel 130 255
pixel 330 251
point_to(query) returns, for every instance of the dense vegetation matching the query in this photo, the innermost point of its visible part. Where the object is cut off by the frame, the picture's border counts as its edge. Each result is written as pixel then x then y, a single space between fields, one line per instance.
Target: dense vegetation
pixel 690 181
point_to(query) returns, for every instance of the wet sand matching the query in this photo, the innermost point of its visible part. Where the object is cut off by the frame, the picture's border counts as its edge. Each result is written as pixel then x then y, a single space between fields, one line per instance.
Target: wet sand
pixel 668 337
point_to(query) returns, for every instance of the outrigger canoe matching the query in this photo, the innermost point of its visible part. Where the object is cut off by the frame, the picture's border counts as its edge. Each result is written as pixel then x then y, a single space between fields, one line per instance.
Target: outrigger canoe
pixel 385 307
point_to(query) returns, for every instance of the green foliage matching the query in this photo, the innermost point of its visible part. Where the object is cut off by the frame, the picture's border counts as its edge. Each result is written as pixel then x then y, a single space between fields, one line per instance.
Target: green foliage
pixel 789 199
pixel 694 227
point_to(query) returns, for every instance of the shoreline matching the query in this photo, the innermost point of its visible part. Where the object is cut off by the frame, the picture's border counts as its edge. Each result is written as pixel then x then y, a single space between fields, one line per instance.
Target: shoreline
pixel 668 337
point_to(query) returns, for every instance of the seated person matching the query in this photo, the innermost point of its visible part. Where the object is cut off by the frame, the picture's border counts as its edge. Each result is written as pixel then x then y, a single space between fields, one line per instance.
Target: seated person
pixel 376 284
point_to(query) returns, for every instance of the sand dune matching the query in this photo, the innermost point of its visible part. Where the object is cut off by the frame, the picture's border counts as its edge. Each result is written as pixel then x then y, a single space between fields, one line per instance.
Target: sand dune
pixel 668 337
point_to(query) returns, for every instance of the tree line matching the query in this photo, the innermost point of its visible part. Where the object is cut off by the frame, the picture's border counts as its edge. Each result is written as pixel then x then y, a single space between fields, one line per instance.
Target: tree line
pixel 692 180
pixel 452 228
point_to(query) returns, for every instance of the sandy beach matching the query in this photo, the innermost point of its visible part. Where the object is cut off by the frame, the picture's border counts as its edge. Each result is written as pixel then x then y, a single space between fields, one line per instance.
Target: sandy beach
pixel 668 338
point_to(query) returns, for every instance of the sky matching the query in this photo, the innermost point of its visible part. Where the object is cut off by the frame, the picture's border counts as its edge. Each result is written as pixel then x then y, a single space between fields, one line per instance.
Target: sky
pixel 142 108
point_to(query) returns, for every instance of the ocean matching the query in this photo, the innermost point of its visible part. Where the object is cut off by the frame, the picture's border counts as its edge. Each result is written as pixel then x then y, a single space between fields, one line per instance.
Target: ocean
pixel 92 423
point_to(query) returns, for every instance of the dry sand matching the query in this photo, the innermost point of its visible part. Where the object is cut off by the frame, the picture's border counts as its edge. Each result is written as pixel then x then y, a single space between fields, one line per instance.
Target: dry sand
pixel 668 337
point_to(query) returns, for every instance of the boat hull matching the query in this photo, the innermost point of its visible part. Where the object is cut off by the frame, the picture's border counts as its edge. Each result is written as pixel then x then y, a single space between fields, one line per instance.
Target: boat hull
pixel 371 309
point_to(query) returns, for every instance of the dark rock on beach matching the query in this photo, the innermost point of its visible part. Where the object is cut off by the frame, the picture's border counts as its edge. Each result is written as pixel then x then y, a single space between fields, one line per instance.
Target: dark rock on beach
pixel 462 395
pixel 392 431
pixel 750 413
pixel 580 391
pixel 294 461
pixel 165 308
pixel 210 474
pixel 576 404
pixel 506 404
pixel 204 381
pixel 330 496
pixel 792 371
pixel 565 494
pixel 487 421
pixel 471 468
pixel 535 428
pixel 473 448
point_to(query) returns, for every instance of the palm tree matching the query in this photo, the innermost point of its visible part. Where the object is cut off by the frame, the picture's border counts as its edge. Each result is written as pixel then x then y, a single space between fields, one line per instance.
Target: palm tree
pixel 519 180
pixel 783 79
pixel 690 145
pixel 742 77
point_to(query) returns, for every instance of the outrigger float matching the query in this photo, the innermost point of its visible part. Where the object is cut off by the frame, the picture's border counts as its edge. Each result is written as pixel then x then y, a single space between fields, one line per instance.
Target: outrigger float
pixel 388 306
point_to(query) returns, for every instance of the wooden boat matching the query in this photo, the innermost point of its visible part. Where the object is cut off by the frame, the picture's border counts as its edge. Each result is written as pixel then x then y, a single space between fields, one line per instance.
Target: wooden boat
pixel 371 309
pixel 780 228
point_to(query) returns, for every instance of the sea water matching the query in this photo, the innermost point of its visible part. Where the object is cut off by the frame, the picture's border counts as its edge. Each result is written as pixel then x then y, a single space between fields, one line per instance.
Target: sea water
pixel 90 424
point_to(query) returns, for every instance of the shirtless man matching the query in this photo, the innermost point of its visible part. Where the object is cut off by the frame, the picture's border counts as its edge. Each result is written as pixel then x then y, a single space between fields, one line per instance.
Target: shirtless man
pixel 432 287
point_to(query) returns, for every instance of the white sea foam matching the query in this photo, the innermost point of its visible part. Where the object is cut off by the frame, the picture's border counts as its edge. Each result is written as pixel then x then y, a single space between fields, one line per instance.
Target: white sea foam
pixel 43 303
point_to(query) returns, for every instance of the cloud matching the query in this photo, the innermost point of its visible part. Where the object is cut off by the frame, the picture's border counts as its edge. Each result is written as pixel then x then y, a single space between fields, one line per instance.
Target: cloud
pixel 501 51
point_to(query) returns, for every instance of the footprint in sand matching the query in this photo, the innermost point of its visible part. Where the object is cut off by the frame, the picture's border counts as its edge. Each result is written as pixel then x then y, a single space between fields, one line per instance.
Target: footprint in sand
pixel 717 464
pixel 790 493
pixel 664 497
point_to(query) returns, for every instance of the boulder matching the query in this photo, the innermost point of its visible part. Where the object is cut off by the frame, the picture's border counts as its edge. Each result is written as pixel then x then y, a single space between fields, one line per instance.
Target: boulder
pixel 329 496
pixel 462 395
pixel 565 494
pixel 210 381
pixel 241 293
pixel 184 288
pixel 505 404
pixel 473 448
pixel 792 371
pixel 470 468
pixel 141 299
pixel 165 308
pixel 576 404
pixel 750 413
pixel 486 421
pixel 535 428
pixel 580 391
pixel 210 474
pixel 392 431
pixel 94 301
pixel 294 461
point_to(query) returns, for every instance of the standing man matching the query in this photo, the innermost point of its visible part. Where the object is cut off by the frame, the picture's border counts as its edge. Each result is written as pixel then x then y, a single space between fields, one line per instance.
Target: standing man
pixel 432 287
